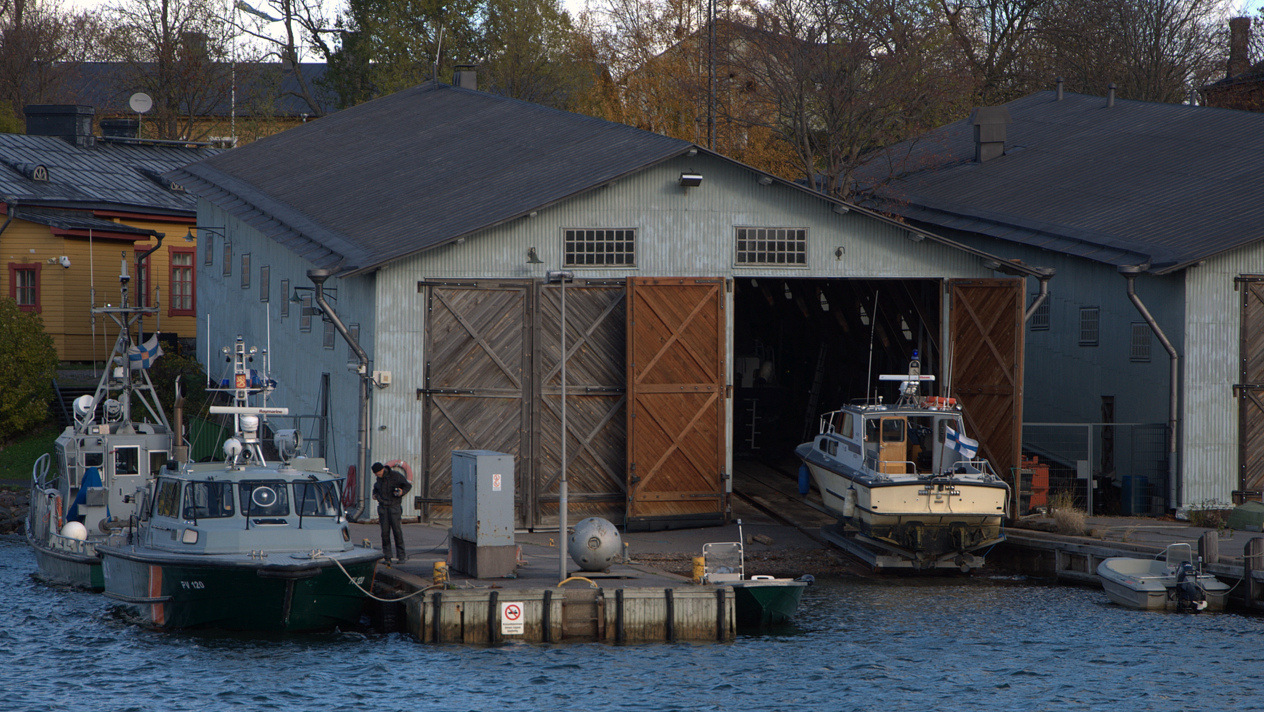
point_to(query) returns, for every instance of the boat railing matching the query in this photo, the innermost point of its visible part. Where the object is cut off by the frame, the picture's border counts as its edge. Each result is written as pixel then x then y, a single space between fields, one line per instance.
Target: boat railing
pixel 722 562
pixel 976 466
pixel 1177 554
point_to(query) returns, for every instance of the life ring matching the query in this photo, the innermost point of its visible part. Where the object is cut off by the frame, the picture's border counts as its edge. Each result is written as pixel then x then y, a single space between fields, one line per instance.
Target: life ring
pixel 940 402
pixel 348 492
pixel 57 511
pixel 408 471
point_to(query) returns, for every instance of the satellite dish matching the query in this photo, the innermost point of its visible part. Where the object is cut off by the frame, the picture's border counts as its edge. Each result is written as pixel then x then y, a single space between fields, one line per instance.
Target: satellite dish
pixel 140 102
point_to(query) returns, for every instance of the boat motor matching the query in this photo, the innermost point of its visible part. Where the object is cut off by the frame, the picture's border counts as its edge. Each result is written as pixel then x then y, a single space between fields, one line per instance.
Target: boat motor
pixel 1189 597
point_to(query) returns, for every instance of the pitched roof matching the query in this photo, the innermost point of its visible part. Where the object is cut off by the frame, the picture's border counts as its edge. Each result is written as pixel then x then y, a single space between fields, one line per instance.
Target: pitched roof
pixel 416 169
pixel 1138 182
pixel 106 175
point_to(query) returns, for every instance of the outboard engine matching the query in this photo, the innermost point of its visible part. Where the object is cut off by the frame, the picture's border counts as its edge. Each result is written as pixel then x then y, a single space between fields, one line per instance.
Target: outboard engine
pixel 1189 597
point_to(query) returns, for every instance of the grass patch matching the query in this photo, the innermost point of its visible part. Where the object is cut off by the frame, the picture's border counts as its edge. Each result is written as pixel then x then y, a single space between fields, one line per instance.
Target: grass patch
pixel 18 457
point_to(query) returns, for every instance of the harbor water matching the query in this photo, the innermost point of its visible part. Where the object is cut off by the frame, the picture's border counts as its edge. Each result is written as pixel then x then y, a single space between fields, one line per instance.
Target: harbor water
pixel 892 644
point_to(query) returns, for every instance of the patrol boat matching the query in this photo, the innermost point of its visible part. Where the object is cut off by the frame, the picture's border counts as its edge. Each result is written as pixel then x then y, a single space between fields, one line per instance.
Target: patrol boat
pixel 905 481
pixel 250 543
pixel 85 493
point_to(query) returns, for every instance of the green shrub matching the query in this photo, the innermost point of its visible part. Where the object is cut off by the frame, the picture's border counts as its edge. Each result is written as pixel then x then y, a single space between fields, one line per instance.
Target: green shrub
pixel 28 362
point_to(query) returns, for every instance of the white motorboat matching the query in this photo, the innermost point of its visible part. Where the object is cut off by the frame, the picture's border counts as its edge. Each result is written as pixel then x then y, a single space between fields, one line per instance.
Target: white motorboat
pixel 905 482
pixel 1175 582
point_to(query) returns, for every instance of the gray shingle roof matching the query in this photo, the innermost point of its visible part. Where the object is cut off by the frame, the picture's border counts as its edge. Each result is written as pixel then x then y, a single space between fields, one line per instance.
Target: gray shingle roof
pixel 410 171
pixel 107 175
pixel 1165 183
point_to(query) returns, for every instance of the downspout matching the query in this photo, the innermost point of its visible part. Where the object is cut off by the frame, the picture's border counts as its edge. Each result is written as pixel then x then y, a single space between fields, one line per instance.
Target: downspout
pixel 318 277
pixel 1040 297
pixel 10 205
pixel 1130 273
pixel 140 262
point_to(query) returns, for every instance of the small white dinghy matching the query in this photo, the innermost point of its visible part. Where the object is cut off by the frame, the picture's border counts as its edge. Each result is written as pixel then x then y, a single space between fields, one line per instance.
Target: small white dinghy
pixel 1174 582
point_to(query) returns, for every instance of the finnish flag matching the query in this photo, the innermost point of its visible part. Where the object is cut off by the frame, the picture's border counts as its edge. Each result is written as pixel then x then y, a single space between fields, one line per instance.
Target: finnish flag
pixel 143 356
pixel 967 447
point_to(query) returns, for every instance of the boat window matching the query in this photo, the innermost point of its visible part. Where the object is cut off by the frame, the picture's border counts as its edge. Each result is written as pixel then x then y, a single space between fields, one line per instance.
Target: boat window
pixel 892 430
pixel 207 500
pixel 157 458
pixel 167 502
pixel 849 426
pixel 316 499
pixel 264 499
pixel 871 430
pixel 127 461
pixel 93 459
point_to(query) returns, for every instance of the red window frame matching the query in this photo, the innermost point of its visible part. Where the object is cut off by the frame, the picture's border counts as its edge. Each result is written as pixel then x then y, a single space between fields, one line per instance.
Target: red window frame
pixel 171 293
pixel 144 281
pixel 14 268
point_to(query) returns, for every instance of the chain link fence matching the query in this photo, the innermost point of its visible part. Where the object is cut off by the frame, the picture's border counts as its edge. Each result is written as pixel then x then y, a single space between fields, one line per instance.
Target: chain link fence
pixel 1106 468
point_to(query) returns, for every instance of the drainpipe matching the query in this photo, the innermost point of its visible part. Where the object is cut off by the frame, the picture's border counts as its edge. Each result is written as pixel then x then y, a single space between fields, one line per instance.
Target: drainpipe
pixel 318 277
pixel 1130 273
pixel 10 204
pixel 140 262
pixel 1040 297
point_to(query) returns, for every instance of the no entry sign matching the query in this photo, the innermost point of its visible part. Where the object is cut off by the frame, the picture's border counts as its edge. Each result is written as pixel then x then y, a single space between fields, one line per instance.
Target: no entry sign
pixel 511 618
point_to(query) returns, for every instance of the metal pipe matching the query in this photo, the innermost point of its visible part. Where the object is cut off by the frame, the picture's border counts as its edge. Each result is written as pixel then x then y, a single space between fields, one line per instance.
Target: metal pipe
pixel 1130 273
pixel 562 277
pixel 1040 298
pixel 318 277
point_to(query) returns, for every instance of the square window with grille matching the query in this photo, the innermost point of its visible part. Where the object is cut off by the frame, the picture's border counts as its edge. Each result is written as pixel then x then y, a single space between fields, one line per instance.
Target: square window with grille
pixel 772 246
pixel 609 247
pixel 1141 339
pixel 1090 320
pixel 1040 318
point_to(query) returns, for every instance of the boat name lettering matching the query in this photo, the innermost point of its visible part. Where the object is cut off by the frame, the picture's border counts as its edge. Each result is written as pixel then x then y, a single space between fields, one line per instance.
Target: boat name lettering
pixel 192 585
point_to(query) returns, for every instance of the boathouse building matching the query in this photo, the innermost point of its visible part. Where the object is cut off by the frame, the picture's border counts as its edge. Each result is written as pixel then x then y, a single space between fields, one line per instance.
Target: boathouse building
pixel 711 311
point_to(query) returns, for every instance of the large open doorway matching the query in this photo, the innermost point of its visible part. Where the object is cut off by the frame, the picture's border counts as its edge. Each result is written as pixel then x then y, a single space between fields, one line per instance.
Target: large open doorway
pixel 805 346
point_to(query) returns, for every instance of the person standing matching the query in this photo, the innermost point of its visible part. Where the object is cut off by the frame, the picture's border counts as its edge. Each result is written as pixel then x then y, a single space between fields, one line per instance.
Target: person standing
pixel 389 491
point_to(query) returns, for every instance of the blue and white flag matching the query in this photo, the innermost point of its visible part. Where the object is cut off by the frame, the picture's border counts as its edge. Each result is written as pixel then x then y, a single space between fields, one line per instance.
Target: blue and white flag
pixel 143 356
pixel 967 447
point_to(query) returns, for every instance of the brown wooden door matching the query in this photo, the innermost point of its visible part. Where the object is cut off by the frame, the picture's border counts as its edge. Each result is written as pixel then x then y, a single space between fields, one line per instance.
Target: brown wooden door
pixel 1250 388
pixel 596 397
pixel 675 370
pixel 477 382
pixel 986 334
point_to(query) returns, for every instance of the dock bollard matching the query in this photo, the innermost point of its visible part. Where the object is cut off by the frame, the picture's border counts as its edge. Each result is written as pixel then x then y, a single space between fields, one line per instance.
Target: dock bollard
pixel 699 569
pixel 440 575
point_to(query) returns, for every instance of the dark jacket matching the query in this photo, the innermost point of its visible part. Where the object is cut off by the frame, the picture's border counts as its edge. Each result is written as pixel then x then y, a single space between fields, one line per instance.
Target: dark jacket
pixel 384 487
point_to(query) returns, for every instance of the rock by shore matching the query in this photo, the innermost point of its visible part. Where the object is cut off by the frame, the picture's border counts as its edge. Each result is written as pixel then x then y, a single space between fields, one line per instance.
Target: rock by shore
pixel 13 506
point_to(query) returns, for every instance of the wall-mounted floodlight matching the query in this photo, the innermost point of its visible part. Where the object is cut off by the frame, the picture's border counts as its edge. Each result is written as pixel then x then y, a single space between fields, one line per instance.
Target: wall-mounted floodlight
pixel 838 253
pixel 533 258
pixel 765 180
pixel 691 180
pixel 841 209
pixel 991 264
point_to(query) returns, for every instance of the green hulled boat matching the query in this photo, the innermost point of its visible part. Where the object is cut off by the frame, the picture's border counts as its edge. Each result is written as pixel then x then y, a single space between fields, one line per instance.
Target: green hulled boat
pixel 244 544
pixel 758 601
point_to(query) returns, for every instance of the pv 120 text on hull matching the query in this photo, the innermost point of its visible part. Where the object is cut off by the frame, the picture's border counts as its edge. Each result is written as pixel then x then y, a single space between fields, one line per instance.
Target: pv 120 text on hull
pixel 904 481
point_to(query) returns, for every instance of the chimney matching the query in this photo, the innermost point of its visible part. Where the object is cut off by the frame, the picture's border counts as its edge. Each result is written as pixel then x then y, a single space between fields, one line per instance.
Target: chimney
pixel 120 128
pixel 1239 45
pixel 989 132
pixel 465 77
pixel 70 122
pixel 1059 80
pixel 1110 95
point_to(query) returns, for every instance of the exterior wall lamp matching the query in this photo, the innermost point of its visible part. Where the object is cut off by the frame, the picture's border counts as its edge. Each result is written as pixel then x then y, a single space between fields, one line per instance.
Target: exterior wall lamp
pixel 690 180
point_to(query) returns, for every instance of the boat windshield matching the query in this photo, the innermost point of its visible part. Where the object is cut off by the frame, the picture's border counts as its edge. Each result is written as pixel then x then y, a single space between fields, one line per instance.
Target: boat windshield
pixel 264 498
pixel 207 500
pixel 316 499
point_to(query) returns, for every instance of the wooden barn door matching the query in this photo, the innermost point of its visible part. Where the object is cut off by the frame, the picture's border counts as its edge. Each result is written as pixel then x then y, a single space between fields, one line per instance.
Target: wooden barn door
pixel 477 383
pixel 1250 389
pixel 986 332
pixel 596 395
pixel 675 374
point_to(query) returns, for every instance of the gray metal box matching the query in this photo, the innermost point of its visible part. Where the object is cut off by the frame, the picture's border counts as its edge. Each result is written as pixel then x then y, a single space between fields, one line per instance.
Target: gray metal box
pixel 483 497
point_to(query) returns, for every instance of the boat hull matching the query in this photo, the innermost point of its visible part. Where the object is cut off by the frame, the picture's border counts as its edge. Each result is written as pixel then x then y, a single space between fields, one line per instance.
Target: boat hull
pixel 1146 585
pixel 763 603
pixel 923 519
pixel 68 568
pixel 237 593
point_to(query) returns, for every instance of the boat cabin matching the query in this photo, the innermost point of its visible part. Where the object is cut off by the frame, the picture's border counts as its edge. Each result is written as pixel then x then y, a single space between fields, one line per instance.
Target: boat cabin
pixel 892 440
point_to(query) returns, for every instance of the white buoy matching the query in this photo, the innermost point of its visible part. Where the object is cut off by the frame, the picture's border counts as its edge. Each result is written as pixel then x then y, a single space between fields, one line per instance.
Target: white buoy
pixel 74 530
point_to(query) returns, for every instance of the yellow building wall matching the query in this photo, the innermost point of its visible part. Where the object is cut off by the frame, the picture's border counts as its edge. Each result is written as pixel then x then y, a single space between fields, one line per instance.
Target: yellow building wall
pixel 68 294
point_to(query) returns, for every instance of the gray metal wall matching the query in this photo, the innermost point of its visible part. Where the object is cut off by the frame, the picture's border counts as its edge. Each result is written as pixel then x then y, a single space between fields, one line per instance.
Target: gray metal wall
pixel 1213 322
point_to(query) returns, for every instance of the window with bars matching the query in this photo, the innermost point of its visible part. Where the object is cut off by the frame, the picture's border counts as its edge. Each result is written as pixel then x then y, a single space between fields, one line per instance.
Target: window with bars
pixel 1141 340
pixel 264 279
pixel 1040 318
pixel 285 298
pixel 228 258
pixel 354 330
pixel 1090 320
pixel 24 285
pixel 208 248
pixel 329 337
pixel 599 247
pixel 305 316
pixel 183 282
pixel 245 271
pixel 771 246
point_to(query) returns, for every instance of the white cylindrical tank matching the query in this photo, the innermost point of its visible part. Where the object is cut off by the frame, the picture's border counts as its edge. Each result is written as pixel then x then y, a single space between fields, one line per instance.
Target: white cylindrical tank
pixel 595 544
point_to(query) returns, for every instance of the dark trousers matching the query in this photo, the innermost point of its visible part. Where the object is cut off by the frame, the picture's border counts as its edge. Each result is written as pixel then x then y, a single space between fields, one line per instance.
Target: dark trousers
pixel 388 517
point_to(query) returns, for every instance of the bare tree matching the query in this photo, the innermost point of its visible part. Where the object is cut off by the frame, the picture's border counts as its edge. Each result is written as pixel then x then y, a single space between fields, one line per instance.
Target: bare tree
pixel 40 47
pixel 999 41
pixel 290 30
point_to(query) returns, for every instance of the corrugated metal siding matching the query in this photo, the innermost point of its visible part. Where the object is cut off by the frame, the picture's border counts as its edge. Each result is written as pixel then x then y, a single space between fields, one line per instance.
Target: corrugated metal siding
pixel 397 412
pixel 298 359
pixel 1210 412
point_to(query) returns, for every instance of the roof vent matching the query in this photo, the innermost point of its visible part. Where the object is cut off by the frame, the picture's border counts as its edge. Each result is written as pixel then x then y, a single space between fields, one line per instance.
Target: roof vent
pixel 989 132
pixel 120 128
pixel 464 76
pixel 65 121
pixel 1110 95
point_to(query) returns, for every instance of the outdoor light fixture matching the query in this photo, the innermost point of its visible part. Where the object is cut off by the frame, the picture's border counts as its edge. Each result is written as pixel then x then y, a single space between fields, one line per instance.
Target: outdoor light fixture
pixel 217 231
pixel 841 209
pixel 765 180
pixel 838 254
pixel 533 258
pixel 915 236
pixel 691 180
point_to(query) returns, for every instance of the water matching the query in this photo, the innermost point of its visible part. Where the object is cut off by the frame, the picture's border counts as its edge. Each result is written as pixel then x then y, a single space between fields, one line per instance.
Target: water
pixel 937 644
